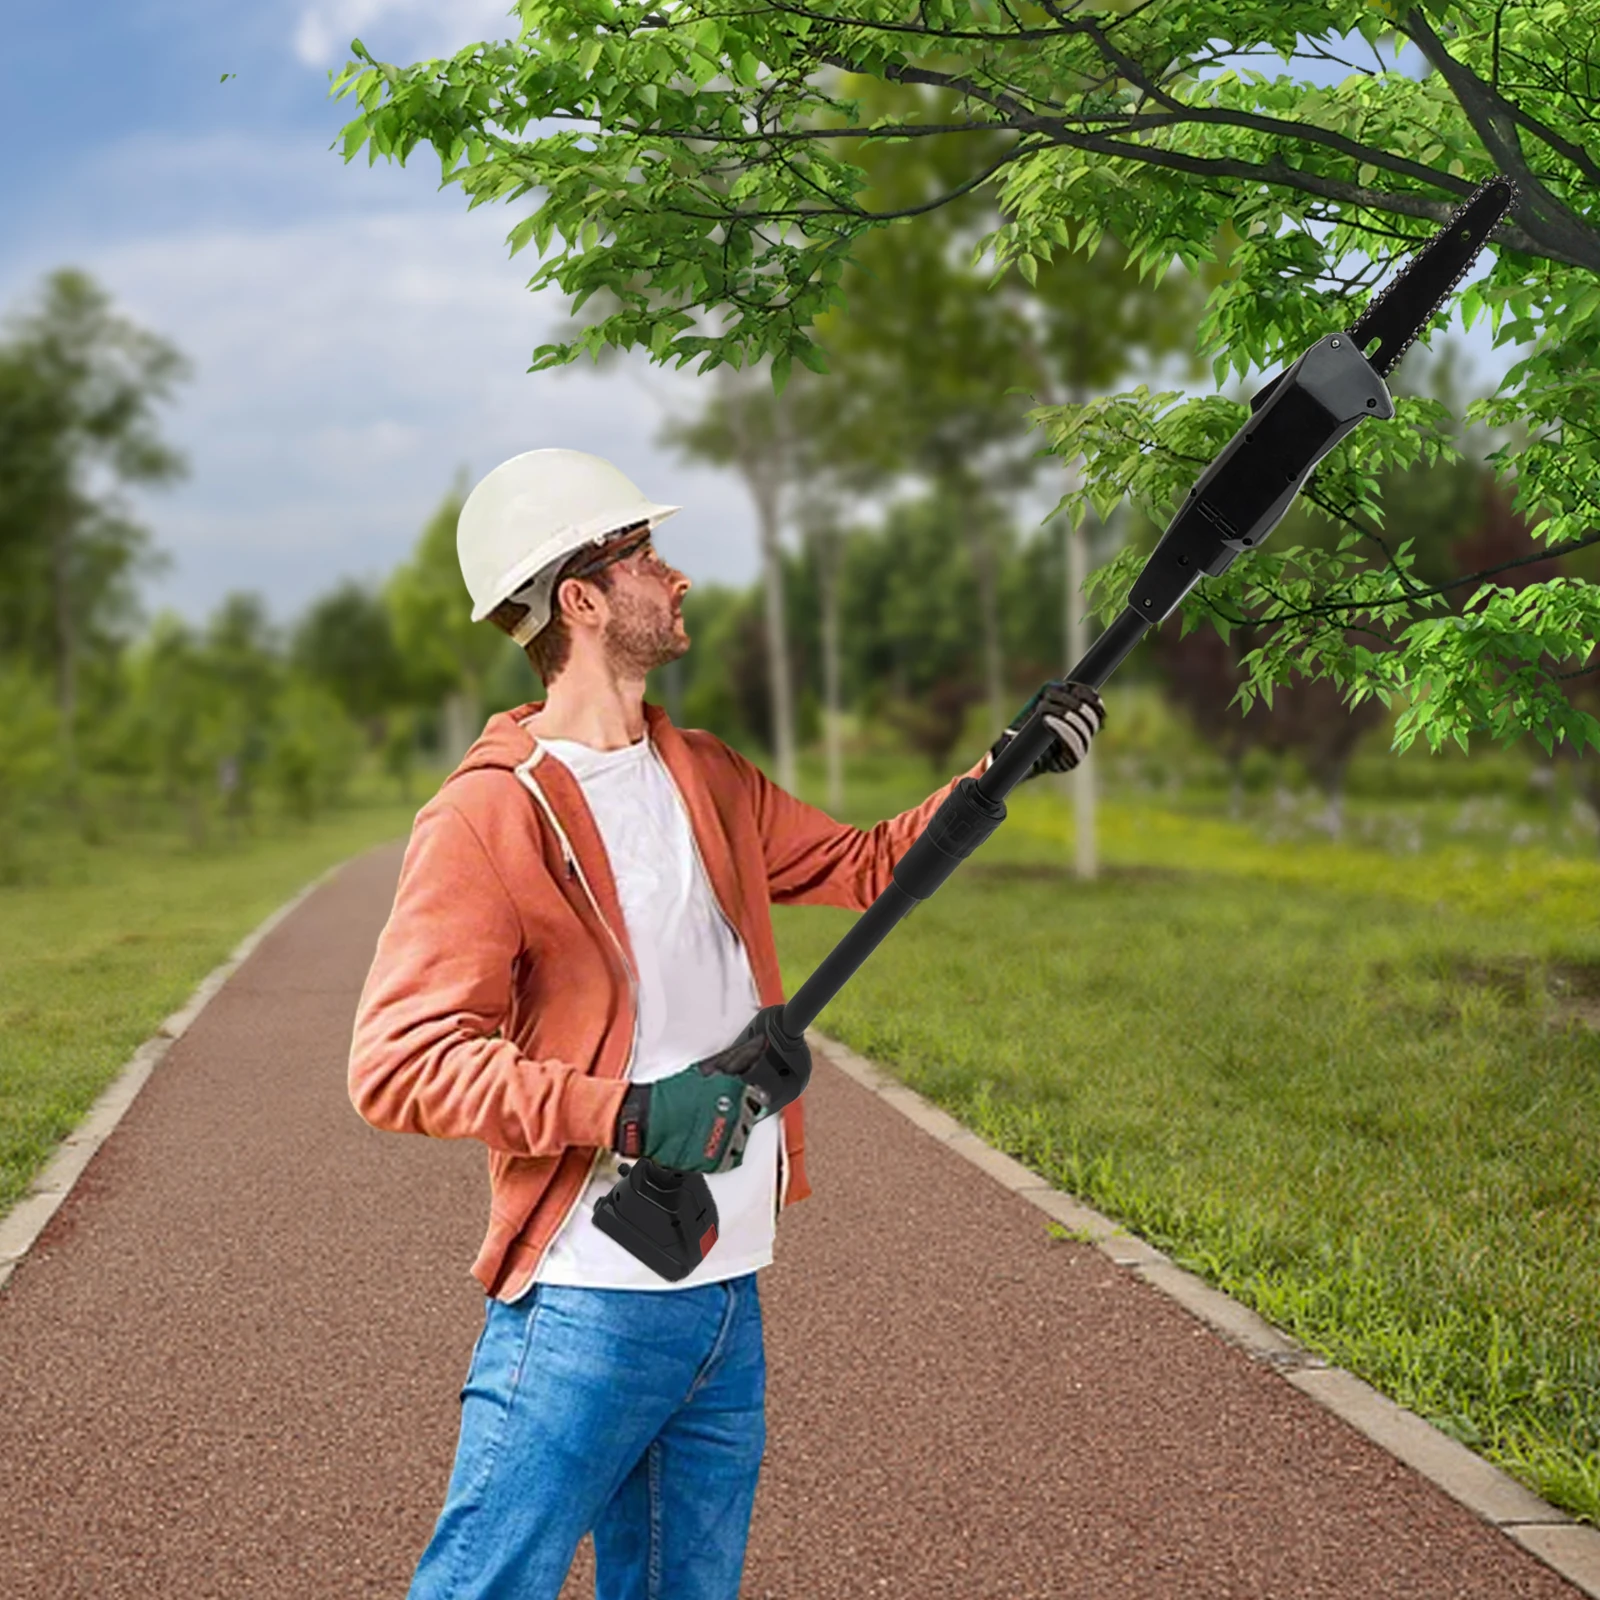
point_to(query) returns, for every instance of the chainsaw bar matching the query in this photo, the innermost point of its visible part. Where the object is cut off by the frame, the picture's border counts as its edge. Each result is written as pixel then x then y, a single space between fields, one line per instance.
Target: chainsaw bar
pixel 1405 307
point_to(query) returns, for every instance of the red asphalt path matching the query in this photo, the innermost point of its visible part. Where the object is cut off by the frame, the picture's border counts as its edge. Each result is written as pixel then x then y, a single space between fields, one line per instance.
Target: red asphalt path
pixel 231 1363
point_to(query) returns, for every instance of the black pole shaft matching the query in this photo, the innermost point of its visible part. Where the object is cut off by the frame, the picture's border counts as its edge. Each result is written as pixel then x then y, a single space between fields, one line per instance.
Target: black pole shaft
pixel 1017 757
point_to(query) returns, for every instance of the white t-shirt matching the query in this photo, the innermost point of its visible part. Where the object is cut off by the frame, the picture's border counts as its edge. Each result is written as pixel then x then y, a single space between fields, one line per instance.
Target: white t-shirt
pixel 696 995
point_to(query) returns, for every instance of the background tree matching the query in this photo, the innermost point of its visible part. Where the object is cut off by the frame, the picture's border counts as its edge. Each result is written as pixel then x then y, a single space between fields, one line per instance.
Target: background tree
pixel 29 758
pixel 243 658
pixel 933 366
pixel 345 641
pixel 819 518
pixel 918 395
pixel 445 656
pixel 79 389
pixel 175 725
pixel 688 162
pixel 746 427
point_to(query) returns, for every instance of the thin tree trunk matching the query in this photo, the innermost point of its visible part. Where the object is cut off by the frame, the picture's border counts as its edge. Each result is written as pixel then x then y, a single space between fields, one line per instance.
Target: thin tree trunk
pixel 66 650
pixel 981 542
pixel 1082 777
pixel 458 729
pixel 828 565
pixel 981 551
pixel 777 636
pixel 764 465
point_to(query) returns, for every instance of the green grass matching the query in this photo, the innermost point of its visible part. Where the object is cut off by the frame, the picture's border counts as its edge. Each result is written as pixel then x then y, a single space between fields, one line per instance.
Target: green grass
pixel 116 938
pixel 1344 1085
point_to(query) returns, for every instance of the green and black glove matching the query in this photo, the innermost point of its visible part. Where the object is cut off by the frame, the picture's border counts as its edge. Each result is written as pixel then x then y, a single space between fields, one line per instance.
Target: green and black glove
pixel 696 1120
pixel 1075 716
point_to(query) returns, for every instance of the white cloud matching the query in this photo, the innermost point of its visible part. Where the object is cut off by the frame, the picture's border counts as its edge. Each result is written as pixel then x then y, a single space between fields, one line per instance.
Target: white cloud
pixel 397 29
pixel 347 365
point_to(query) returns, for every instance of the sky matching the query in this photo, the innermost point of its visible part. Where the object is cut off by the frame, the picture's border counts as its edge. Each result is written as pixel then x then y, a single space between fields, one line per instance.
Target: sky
pixel 358 338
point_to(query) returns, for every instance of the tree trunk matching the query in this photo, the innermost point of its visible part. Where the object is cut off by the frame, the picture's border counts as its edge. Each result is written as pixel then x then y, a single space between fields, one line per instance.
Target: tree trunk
pixel 828 570
pixel 980 541
pixel 777 638
pixel 1082 777
pixel 459 731
pixel 66 650
pixel 763 465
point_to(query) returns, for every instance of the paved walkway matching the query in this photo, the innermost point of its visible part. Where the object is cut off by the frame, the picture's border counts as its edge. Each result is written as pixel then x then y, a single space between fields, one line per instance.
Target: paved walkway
pixel 231 1363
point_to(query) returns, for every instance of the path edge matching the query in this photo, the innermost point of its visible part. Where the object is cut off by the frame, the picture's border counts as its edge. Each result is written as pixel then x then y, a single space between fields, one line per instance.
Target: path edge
pixel 1570 1548
pixel 21 1226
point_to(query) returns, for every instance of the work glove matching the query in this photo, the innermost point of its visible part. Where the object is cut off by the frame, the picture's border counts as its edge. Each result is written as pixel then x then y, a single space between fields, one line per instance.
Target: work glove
pixel 1073 712
pixel 696 1120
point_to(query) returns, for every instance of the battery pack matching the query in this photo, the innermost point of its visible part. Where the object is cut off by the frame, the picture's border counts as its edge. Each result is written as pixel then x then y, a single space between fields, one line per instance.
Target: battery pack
pixel 665 1218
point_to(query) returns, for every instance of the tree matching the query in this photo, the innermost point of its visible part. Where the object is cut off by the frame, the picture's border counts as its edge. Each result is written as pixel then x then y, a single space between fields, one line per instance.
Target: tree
pixel 931 370
pixel 345 641
pixel 175 726
pixel 918 389
pixel 700 165
pixel 912 651
pixel 29 753
pixel 819 518
pixel 445 654
pixel 79 389
pixel 748 428
pixel 243 659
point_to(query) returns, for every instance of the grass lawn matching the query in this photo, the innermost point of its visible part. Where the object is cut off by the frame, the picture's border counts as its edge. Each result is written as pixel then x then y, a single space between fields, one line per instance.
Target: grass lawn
pixel 92 960
pixel 1353 1089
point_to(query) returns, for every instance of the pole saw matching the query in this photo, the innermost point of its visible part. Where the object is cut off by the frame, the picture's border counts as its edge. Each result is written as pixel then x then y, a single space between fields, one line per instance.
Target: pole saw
pixel 667 1218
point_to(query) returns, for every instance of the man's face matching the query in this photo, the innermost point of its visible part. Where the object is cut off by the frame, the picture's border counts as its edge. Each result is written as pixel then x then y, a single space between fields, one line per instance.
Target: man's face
pixel 645 627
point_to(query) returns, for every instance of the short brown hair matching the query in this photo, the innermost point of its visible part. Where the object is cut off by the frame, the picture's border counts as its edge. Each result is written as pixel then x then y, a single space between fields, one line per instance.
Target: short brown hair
pixel 550 647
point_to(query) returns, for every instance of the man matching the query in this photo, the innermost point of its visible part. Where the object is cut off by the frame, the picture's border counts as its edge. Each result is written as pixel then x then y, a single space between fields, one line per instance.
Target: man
pixel 580 927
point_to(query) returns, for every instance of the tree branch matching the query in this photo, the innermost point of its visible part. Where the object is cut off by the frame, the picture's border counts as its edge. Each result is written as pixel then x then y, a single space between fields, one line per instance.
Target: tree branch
pixel 1274 170
pixel 1495 120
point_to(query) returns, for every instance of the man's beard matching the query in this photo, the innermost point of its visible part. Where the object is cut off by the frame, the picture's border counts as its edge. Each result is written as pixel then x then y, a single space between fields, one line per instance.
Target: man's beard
pixel 638 640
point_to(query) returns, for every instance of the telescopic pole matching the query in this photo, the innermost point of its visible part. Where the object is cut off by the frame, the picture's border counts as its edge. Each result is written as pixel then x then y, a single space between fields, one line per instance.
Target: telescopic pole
pixel 667 1218
pixel 969 816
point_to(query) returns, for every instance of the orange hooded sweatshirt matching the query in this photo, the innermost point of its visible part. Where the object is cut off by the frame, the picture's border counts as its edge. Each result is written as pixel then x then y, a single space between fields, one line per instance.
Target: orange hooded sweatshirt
pixel 500 1004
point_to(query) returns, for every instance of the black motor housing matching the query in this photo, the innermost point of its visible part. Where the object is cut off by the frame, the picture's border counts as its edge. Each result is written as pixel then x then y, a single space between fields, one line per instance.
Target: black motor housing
pixel 1238 500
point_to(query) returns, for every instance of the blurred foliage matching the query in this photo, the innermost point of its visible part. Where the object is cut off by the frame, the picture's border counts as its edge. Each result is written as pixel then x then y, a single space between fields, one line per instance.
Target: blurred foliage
pixel 209 723
pixel 931 370
pixel 79 389
pixel 345 640
pixel 111 732
pixel 440 647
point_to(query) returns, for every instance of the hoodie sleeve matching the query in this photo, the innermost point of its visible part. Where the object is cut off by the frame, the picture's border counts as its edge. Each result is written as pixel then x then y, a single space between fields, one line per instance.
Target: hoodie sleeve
pixel 814 860
pixel 426 1055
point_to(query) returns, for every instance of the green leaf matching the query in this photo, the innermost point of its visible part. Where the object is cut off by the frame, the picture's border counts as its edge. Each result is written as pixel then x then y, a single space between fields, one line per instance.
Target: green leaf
pixel 813 356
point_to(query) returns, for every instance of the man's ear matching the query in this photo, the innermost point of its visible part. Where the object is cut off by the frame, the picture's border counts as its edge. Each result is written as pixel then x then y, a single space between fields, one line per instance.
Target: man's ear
pixel 584 604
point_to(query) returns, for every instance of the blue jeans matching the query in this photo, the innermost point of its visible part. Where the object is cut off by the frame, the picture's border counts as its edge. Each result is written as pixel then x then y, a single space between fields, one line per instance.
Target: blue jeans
pixel 639 1415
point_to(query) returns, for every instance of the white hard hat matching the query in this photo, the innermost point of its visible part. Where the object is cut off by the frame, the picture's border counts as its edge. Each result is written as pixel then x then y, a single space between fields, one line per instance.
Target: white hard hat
pixel 526 517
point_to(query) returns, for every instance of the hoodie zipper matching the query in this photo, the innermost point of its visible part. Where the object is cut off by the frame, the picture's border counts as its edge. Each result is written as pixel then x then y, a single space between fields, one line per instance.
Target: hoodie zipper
pixel 526 778
pixel 783 1160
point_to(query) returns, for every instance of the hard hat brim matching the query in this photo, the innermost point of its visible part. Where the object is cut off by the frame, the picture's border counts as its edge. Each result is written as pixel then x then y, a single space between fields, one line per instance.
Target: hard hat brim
pixel 519 576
